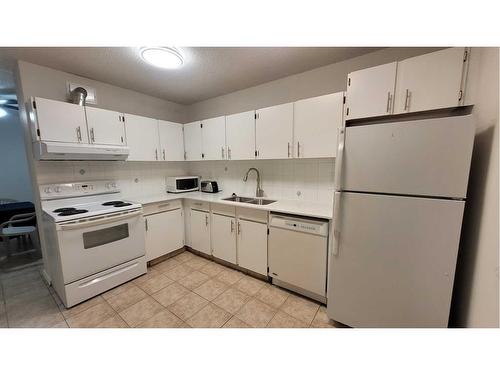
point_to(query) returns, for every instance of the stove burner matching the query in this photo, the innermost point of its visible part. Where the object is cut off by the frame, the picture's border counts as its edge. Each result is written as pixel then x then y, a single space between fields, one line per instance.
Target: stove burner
pixel 65 209
pixel 72 212
pixel 112 203
pixel 122 204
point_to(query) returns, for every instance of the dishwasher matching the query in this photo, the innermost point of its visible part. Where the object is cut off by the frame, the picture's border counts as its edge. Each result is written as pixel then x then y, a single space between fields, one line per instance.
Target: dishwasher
pixel 297 254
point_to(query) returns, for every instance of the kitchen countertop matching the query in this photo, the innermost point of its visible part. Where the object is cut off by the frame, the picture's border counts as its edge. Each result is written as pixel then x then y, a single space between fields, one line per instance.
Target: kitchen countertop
pixel 323 210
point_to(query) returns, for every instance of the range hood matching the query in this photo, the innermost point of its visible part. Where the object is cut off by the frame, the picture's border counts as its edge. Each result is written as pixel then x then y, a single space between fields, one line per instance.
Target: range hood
pixel 47 150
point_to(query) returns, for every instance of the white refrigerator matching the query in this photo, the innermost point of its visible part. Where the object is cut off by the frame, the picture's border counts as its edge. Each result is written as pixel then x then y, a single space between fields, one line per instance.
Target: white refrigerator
pixel 399 202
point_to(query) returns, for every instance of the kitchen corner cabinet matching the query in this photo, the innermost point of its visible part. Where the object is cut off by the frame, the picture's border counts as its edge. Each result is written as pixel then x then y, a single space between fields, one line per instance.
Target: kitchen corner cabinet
pixel 316 121
pixel 370 92
pixel 430 81
pixel 171 141
pixel 105 127
pixel 240 136
pixel 274 132
pixel 142 138
pixel 164 233
pixel 224 238
pixel 200 231
pixel 252 246
pixel 214 138
pixel 59 121
pixel 193 141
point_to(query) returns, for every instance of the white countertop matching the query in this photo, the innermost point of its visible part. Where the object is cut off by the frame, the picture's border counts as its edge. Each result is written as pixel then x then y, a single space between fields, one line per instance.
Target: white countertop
pixel 322 209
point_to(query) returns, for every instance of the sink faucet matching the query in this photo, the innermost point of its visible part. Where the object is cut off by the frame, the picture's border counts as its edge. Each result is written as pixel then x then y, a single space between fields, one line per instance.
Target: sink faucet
pixel 258 192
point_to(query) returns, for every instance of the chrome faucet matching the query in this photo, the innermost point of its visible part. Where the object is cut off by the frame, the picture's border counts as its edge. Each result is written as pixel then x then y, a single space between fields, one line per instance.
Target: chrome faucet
pixel 258 192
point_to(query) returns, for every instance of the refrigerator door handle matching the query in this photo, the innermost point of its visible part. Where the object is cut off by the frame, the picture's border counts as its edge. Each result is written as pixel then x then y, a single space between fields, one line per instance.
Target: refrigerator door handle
pixel 336 224
pixel 340 157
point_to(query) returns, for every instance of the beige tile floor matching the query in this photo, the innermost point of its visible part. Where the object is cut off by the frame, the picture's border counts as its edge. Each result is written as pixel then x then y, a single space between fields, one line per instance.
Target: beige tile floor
pixel 183 291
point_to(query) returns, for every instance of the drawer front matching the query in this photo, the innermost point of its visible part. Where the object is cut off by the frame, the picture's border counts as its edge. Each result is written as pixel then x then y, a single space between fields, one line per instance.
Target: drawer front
pixel 199 205
pixel 251 214
pixel 223 209
pixel 154 208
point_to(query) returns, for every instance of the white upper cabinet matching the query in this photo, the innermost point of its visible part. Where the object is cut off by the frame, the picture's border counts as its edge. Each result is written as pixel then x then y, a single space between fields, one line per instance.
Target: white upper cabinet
pixel 240 136
pixel 60 122
pixel 316 121
pixel 370 92
pixel 142 138
pixel 274 132
pixel 171 141
pixel 214 138
pixel 193 141
pixel 430 81
pixel 105 127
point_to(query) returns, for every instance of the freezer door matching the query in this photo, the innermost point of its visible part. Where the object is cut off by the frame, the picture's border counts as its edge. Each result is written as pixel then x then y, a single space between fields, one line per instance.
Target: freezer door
pixel 393 260
pixel 425 157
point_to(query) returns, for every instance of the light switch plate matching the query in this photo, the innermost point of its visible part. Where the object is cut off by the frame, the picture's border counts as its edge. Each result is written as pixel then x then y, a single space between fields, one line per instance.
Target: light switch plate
pixel 91 93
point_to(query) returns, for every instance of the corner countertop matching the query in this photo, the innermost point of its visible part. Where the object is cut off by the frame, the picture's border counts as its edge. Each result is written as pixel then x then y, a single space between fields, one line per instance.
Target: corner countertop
pixel 322 209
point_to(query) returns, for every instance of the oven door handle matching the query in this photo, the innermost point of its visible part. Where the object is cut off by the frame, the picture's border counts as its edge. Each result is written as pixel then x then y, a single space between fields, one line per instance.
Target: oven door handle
pixel 107 219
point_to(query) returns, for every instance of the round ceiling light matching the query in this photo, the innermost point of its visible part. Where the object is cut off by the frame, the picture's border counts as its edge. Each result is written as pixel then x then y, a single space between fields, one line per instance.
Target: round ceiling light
pixel 162 57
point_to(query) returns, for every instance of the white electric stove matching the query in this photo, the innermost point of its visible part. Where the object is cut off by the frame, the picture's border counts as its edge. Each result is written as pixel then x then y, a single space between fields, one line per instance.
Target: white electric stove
pixel 94 239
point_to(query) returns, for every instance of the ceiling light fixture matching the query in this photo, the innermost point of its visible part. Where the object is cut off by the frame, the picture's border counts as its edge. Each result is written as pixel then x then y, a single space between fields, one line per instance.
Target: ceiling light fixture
pixel 162 57
pixel 3 112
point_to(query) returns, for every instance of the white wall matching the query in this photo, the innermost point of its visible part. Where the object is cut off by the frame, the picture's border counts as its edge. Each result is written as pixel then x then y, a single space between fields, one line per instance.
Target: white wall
pixel 309 179
pixel 476 294
pixel 15 180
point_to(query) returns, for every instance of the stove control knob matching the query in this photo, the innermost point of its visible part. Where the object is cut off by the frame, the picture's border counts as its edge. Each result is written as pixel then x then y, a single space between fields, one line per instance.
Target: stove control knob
pixel 57 189
pixel 48 190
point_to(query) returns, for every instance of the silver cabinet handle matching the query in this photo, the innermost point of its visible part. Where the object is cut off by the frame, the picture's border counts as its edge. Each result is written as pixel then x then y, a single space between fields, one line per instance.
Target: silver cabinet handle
pixel 164 154
pixel 79 134
pixel 288 149
pixel 239 228
pixel 206 220
pixel 389 97
pixel 229 153
pixel 156 153
pixel 146 224
pixel 185 155
pixel 407 100
pixel 298 149
pixel 222 151
pixel 232 226
pixel 92 138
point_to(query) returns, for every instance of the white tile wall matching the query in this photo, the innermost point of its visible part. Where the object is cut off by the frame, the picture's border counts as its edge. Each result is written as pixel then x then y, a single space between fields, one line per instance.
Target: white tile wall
pixel 310 180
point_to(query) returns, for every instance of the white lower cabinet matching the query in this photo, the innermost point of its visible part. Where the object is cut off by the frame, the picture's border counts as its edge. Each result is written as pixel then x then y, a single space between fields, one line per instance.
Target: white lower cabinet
pixel 252 246
pixel 200 231
pixel 164 233
pixel 224 238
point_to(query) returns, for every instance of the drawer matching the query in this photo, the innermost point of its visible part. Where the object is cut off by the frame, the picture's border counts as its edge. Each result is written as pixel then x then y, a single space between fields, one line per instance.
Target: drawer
pixel 199 205
pixel 154 208
pixel 223 209
pixel 252 214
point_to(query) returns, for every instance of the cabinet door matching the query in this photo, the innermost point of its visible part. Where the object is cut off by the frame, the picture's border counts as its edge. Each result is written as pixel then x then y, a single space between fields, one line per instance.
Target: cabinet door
pixel 171 141
pixel 192 141
pixel 316 121
pixel 105 127
pixel 252 246
pixel 200 231
pixel 142 138
pixel 61 122
pixel 240 136
pixel 214 138
pixel 430 81
pixel 274 132
pixel 370 92
pixel 224 238
pixel 164 233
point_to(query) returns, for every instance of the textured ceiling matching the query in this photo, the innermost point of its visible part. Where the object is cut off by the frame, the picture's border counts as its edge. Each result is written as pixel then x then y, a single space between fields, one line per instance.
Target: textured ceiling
pixel 207 72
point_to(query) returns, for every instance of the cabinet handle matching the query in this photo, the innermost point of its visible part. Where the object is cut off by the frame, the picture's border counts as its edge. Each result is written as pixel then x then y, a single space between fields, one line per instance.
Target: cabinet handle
pixel 156 153
pixel 185 154
pixel 288 149
pixel 407 100
pixel 232 226
pixel 389 97
pixel 298 149
pixel 239 228
pixel 222 151
pixel 229 153
pixel 206 220
pixel 146 224
pixel 92 138
pixel 79 134
pixel 164 154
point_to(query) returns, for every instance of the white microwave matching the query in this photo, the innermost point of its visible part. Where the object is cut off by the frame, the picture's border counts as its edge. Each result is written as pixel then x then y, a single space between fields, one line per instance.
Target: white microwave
pixel 183 184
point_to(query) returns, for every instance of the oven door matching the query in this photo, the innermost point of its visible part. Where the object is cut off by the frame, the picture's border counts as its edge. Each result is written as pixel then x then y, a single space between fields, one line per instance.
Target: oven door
pixel 96 244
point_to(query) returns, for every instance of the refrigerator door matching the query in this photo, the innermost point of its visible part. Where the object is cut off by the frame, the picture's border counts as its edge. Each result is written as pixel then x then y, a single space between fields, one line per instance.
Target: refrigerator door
pixel 393 260
pixel 425 157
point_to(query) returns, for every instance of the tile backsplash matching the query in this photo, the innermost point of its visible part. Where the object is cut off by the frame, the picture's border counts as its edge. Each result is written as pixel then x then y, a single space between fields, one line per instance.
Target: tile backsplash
pixel 310 180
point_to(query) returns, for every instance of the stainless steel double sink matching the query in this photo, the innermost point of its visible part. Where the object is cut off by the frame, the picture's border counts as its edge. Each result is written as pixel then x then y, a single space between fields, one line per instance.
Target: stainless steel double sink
pixel 256 201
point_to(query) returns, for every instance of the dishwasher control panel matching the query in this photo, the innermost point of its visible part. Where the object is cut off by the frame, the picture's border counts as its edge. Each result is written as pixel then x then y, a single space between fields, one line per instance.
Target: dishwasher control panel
pixel 311 226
